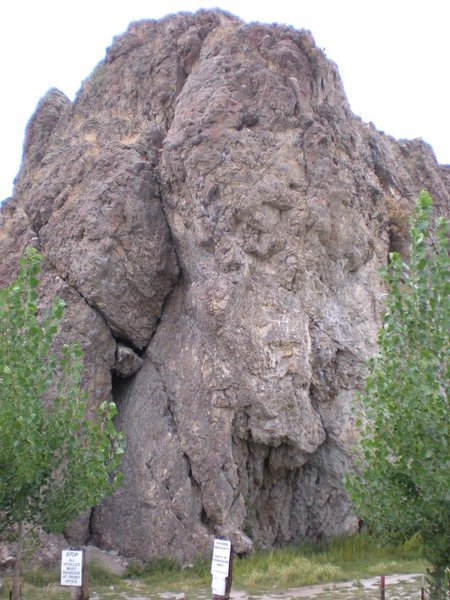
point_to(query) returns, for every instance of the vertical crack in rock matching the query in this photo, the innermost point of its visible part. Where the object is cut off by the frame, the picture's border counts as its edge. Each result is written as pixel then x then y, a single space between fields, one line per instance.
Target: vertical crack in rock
pixel 211 197
pixel 157 476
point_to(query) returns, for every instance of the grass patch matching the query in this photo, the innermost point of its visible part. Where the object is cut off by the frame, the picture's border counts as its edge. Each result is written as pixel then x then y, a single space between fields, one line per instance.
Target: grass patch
pixel 99 576
pixel 268 571
pixel 40 577
pixel 153 568
pixel 340 559
pixel 159 574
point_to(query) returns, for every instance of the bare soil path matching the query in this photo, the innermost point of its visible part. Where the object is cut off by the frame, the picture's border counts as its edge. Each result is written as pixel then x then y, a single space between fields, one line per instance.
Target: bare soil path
pixel 398 587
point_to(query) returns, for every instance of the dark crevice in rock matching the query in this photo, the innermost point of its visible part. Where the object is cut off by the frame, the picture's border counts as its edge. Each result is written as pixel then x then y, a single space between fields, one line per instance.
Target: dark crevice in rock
pixel 143 352
pixel 206 522
pixel 143 179
pixel 164 304
pixel 171 239
pixel 118 385
pixel 91 532
pixel 179 278
pixel 126 342
pixel 315 406
pixel 127 361
pixel 163 208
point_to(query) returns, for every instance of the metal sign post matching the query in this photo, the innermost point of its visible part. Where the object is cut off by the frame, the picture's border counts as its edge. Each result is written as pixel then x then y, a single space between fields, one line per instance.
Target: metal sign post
pixel 221 569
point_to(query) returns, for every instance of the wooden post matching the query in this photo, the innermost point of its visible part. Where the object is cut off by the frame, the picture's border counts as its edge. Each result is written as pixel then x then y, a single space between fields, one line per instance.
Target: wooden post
pixel 382 588
pixel 230 576
pixel 81 593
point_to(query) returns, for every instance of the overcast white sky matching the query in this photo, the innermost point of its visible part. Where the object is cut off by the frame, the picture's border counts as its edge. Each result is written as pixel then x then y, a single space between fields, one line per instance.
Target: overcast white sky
pixel 393 56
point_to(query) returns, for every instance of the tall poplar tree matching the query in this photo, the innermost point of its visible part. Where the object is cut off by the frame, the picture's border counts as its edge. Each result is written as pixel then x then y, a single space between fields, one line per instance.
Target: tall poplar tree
pixel 53 462
pixel 403 485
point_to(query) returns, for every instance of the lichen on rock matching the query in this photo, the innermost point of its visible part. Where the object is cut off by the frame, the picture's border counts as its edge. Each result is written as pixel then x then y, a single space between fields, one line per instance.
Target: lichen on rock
pixel 216 218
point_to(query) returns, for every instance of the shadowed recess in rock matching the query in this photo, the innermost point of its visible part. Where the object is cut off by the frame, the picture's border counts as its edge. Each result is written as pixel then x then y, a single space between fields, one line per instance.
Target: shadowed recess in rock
pixel 215 218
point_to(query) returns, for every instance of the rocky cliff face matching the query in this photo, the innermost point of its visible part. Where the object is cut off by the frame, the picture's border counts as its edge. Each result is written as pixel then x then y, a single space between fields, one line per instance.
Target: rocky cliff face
pixel 216 217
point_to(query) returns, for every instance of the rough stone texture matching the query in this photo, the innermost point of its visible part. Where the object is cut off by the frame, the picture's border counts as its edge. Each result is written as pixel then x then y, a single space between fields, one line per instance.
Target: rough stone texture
pixel 159 506
pixel 47 553
pixel 210 202
pixel 109 561
pixel 127 361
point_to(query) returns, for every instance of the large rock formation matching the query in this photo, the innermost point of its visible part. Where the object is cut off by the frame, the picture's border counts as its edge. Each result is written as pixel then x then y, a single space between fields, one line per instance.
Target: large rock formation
pixel 216 217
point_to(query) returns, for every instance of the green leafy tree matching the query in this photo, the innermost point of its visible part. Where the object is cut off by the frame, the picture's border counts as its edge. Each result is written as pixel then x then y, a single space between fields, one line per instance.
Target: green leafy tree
pixel 403 485
pixel 54 463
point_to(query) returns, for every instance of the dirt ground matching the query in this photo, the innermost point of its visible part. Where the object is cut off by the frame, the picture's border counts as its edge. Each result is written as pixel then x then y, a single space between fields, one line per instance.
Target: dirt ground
pixel 398 587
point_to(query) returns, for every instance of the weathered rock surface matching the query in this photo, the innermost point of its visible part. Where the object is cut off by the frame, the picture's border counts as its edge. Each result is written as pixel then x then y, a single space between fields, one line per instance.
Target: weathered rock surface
pixel 216 217
pixel 127 361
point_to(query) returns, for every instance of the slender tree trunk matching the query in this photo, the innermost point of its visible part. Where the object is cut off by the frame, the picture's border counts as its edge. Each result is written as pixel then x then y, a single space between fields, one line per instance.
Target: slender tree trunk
pixel 82 593
pixel 18 565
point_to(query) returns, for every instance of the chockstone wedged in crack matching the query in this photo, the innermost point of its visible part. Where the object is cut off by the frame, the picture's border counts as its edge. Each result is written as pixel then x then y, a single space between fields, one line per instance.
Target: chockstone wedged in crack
pixel 216 218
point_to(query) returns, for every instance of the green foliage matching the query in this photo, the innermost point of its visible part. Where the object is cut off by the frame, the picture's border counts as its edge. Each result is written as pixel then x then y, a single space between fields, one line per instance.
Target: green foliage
pixel 348 549
pixel 53 462
pixel 339 559
pixel 40 577
pixel 283 568
pixel 154 567
pixel 403 483
pixel 100 576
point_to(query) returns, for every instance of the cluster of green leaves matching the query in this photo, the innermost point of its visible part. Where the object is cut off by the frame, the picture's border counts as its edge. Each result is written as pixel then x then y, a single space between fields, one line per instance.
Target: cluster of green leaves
pixel 53 462
pixel 403 485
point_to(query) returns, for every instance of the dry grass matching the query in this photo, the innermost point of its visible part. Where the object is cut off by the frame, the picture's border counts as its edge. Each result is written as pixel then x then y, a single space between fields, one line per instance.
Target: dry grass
pixel 342 559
